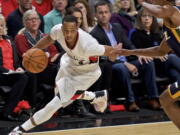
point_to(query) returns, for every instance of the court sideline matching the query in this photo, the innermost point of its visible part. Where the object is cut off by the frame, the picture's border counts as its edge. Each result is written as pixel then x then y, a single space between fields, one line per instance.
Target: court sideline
pixel 158 128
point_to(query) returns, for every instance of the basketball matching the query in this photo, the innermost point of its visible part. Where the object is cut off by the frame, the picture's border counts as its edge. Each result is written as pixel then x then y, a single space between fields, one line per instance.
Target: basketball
pixel 35 60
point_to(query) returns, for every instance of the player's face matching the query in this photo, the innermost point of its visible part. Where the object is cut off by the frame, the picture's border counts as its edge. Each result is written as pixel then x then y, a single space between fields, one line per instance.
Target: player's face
pixel 103 14
pixel 70 30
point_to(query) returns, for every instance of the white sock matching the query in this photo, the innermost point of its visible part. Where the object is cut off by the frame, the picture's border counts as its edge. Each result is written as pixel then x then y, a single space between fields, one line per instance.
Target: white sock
pixel 88 95
pixel 43 114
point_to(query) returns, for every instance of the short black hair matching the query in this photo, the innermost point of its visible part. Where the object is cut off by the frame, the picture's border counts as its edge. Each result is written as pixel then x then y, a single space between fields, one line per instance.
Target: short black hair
pixel 102 3
pixel 69 18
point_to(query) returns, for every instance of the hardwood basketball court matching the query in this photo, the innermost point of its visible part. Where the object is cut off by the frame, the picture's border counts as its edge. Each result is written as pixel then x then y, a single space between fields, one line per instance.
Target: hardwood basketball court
pixel 158 128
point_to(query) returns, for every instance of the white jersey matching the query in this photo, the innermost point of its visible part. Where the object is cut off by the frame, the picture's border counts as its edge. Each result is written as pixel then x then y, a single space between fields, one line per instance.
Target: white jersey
pixel 76 70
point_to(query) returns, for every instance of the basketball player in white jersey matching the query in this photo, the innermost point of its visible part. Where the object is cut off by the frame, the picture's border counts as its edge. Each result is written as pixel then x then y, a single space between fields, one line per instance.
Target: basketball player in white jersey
pixel 79 69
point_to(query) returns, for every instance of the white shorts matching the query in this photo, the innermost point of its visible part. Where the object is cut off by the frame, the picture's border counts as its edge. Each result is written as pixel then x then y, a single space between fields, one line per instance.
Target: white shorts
pixel 71 78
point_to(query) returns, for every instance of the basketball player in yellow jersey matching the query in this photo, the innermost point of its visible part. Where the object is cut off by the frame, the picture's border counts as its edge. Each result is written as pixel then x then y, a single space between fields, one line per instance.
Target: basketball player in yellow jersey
pixel 170 14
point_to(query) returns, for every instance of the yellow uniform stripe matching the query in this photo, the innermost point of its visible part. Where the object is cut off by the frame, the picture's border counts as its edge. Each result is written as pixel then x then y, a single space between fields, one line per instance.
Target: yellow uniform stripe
pixel 175 33
pixel 176 95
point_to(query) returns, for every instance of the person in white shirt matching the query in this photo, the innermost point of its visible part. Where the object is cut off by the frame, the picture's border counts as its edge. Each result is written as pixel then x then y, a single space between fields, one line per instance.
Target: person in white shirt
pixel 79 69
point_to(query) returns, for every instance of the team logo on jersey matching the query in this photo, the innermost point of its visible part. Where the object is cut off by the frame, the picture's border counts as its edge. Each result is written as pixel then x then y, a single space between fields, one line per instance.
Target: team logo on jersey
pixel 176 33
pixel 93 59
pixel 82 62
pixel 166 36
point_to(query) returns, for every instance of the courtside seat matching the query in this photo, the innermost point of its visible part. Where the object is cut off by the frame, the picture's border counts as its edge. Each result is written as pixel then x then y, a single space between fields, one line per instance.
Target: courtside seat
pixel 4 90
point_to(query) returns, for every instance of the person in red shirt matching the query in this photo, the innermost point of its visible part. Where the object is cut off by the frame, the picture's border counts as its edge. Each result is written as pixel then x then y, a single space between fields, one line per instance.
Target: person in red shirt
pixel 11 4
pixel 42 6
pixel 11 73
pixel 26 39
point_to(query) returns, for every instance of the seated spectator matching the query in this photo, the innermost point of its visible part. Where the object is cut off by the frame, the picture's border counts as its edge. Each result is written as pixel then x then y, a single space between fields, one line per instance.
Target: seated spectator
pixel 124 14
pixel 14 19
pixel 146 33
pixel 28 37
pixel 42 6
pixel 11 4
pixel 87 20
pixel 92 3
pixel 125 5
pixel 9 63
pixel 78 14
pixel 55 15
pixel 123 68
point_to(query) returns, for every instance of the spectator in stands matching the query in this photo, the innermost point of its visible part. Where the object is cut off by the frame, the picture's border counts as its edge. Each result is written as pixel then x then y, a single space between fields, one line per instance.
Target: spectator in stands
pixel 127 9
pixel 43 6
pixel 147 34
pixel 14 19
pixel 88 19
pixel 9 63
pixel 91 4
pixel 55 15
pixel 118 5
pixel 77 13
pixel 113 34
pixel 124 14
pixel 8 6
pixel 28 37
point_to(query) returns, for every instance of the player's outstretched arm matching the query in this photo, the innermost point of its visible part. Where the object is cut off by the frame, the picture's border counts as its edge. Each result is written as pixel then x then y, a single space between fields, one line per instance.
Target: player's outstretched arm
pixel 161 50
pixel 44 42
pixel 111 52
pixel 159 11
